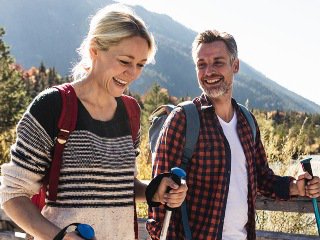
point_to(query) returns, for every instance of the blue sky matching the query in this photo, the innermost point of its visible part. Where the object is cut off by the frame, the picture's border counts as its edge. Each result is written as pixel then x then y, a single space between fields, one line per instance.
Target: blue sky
pixel 280 38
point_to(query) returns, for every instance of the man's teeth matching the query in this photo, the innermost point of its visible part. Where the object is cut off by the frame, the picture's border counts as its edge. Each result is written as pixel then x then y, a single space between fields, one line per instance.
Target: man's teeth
pixel 120 81
pixel 212 80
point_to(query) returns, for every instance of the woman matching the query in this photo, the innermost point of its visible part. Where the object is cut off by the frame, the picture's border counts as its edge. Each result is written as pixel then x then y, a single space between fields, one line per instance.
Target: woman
pixel 97 179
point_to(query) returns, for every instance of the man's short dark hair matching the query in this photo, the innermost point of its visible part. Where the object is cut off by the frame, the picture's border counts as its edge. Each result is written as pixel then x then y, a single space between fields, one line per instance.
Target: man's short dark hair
pixel 210 36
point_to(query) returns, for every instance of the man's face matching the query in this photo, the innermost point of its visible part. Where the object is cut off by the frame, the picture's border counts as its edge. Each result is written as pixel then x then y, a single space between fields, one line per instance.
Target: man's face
pixel 215 70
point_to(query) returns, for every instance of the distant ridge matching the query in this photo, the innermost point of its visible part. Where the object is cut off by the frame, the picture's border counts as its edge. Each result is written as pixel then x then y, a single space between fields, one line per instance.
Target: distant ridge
pixel 51 30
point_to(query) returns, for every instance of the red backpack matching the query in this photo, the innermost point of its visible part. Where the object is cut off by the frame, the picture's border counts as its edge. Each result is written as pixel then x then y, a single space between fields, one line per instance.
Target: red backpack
pixel 66 124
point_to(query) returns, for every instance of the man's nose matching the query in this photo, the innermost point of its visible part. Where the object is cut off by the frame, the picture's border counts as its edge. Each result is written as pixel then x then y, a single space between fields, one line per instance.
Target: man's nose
pixel 210 69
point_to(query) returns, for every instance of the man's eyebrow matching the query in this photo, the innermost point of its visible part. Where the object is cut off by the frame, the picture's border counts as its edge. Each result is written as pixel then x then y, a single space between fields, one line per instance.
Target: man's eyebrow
pixel 216 58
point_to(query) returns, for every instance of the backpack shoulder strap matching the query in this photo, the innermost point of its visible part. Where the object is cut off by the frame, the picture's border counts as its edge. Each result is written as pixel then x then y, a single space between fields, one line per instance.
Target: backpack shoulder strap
pixel 192 131
pixel 192 134
pixel 69 107
pixel 66 124
pixel 133 111
pixel 250 120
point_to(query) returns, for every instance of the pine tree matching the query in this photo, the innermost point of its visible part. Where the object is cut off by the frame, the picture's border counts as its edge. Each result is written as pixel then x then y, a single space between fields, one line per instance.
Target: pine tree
pixel 13 96
pixel 52 77
pixel 155 97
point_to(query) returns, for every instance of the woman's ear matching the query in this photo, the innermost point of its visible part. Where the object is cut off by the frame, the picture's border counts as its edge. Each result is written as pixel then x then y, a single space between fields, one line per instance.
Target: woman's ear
pixel 93 49
pixel 93 52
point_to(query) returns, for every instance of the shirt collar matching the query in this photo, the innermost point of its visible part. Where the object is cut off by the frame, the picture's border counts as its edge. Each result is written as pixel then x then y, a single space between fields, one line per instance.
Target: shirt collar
pixel 206 104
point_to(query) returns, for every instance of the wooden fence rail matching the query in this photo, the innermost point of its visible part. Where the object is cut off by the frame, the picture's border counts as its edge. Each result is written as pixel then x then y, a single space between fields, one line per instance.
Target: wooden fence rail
pixel 302 205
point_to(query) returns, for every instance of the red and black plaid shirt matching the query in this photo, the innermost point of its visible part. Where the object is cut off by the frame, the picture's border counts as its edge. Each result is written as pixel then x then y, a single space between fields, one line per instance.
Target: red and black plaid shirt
pixel 208 173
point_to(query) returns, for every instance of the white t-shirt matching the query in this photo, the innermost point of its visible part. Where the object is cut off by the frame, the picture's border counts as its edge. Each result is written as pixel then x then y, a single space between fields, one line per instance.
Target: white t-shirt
pixel 236 215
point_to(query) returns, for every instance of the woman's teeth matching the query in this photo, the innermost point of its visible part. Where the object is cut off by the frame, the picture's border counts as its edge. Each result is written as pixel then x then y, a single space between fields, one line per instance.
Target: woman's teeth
pixel 119 81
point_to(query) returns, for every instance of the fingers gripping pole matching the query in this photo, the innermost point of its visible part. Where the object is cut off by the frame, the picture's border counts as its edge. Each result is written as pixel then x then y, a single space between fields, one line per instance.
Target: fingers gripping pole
pixel 178 175
pixel 306 165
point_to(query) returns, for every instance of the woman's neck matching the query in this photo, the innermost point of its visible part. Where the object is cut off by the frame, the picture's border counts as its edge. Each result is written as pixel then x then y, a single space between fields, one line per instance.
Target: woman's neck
pixel 98 102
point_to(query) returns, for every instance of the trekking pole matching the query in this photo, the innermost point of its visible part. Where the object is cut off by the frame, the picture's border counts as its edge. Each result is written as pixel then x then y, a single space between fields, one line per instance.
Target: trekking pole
pixel 178 176
pixel 306 165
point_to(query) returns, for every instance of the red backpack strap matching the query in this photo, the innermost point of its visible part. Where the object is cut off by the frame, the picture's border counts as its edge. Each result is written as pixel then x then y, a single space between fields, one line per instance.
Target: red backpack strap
pixel 133 111
pixel 66 124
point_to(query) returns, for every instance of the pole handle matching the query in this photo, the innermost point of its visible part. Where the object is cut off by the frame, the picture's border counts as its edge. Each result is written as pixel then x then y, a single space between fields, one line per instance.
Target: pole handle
pixel 306 165
pixel 177 175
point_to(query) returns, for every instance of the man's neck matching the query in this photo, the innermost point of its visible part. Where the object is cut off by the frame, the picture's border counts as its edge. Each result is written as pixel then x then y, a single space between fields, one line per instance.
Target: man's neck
pixel 223 108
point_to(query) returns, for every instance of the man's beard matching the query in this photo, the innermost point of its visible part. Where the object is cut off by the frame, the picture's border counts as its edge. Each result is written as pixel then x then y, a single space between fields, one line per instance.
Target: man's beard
pixel 216 92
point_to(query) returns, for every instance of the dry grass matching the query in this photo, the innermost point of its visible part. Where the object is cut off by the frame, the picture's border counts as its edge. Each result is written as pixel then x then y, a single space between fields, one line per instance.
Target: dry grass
pixel 280 152
pixel 144 172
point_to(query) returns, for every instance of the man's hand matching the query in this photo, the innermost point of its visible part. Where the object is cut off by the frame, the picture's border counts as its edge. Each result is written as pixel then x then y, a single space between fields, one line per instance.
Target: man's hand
pixel 176 195
pixel 310 189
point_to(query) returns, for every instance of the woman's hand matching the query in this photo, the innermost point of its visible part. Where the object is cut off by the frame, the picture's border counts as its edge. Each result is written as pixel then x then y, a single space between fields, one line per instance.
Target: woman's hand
pixel 74 236
pixel 175 197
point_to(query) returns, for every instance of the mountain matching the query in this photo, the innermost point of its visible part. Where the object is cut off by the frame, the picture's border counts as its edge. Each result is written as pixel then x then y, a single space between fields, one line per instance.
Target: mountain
pixel 50 32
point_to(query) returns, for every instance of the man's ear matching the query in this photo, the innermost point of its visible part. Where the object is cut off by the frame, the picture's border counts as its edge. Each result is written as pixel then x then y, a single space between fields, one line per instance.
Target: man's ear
pixel 236 65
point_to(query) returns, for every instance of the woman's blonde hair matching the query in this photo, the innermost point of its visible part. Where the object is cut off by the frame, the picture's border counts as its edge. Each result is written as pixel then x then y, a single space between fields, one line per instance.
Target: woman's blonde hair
pixel 108 27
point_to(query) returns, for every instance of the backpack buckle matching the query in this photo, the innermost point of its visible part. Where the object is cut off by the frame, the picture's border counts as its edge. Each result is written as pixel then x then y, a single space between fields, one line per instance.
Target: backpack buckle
pixel 63 136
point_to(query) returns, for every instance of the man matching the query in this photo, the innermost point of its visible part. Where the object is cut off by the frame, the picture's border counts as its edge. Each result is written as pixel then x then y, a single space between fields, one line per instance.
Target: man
pixel 228 166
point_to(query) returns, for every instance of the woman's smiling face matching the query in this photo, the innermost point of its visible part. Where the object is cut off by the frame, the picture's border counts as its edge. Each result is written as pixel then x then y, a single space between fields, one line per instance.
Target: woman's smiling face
pixel 120 65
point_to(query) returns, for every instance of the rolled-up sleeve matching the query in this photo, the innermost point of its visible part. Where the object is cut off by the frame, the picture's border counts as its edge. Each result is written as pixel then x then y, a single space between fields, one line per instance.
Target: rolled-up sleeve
pixel 30 158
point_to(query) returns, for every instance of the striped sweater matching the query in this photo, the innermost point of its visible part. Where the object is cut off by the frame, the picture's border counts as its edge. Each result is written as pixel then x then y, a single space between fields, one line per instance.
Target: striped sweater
pixel 96 184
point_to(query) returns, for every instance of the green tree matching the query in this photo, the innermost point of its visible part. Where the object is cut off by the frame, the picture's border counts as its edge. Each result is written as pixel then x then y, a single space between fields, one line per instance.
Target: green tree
pixel 42 78
pixel 13 95
pixel 155 97
pixel 53 77
pixel 13 98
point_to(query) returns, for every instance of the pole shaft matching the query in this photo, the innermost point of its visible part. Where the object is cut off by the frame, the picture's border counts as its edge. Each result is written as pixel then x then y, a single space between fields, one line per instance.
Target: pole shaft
pixel 165 226
pixel 316 213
